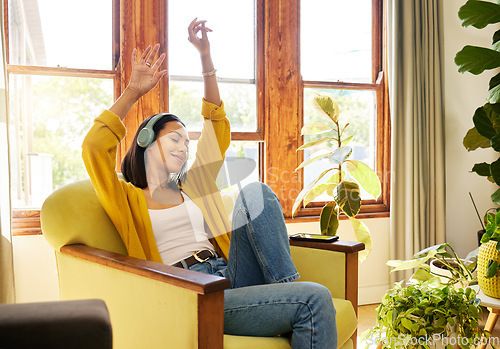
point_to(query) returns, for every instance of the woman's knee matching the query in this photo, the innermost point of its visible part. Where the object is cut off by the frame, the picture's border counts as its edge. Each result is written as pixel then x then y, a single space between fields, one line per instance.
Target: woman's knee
pixel 257 190
pixel 318 295
pixel 256 197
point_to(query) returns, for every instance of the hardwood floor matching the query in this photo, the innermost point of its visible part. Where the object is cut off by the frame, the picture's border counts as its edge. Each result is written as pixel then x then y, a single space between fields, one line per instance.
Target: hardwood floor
pixel 367 317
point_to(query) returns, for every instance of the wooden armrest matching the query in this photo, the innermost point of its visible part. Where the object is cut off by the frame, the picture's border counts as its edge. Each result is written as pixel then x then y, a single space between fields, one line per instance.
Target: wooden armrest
pixel 338 246
pixel 188 279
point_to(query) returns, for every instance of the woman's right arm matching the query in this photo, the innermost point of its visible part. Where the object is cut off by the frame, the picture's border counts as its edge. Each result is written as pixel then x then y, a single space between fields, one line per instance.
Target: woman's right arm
pixel 145 76
pixel 101 142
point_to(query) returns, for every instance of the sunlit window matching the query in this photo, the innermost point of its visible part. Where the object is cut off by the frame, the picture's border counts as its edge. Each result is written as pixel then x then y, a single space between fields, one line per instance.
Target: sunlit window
pixel 50 107
pixel 337 60
pixel 61 33
pixel 233 52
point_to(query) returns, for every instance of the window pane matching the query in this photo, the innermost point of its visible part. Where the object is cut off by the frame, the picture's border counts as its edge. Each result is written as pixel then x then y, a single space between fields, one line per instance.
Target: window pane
pixel 336 40
pixel 49 117
pixel 239 102
pixel 356 108
pixel 61 33
pixel 232 41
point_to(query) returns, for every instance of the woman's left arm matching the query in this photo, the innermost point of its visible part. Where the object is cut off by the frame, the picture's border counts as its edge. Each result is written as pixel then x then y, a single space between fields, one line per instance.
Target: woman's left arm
pixel 203 46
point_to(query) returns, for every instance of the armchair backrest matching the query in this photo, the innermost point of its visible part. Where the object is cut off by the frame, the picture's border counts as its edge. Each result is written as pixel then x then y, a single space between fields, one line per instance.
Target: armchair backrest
pixel 73 215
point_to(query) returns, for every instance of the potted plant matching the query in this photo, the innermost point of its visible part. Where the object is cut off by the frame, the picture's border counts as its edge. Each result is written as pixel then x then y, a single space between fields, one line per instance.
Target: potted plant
pixel 434 309
pixel 475 60
pixel 489 257
pixel 343 179
pixel 427 314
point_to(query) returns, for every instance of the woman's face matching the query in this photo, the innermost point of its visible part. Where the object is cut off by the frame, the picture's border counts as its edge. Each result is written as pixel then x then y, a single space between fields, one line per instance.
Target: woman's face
pixel 173 142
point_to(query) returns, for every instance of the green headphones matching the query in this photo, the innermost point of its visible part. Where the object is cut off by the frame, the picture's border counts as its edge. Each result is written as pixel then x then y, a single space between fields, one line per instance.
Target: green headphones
pixel 147 134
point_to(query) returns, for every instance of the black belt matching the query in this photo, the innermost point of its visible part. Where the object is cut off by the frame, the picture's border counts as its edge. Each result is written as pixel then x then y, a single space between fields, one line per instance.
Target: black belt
pixel 199 257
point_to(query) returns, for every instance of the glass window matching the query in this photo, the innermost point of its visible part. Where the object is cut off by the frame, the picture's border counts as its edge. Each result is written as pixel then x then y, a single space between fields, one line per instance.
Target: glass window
pixel 336 40
pixel 49 117
pixel 232 40
pixel 233 52
pixel 60 33
pixel 239 102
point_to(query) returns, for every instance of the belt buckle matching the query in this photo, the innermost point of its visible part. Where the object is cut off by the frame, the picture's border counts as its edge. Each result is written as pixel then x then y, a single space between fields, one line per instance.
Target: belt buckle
pixel 195 255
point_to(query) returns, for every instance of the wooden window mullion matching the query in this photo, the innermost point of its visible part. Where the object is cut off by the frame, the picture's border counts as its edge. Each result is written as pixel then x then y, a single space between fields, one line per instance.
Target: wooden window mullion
pixel 282 91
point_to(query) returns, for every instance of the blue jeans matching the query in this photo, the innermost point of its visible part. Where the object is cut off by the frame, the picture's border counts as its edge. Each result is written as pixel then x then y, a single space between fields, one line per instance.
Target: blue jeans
pixel 262 301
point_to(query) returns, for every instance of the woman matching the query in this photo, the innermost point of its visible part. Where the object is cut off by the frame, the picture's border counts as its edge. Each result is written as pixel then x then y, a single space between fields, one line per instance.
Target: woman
pixel 171 215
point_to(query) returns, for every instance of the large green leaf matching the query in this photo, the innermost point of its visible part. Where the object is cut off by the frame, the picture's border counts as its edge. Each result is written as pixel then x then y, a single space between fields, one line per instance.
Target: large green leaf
pixel 328 106
pixel 317 190
pixel 474 140
pixel 329 219
pixel 479 13
pixel 362 234
pixel 334 179
pixel 411 263
pixel 347 140
pixel 486 120
pixel 314 157
pixel 495 142
pixel 495 197
pixel 496 41
pixel 306 190
pixel 495 171
pixel 475 59
pixel 494 90
pixel 314 128
pixel 348 198
pixel 365 176
pixel 482 169
pixel 315 142
pixel 491 269
pixel 340 155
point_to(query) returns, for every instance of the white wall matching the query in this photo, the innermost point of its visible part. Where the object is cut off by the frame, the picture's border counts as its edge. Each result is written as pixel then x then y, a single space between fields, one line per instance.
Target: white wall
pixel 35 271
pixel 463 94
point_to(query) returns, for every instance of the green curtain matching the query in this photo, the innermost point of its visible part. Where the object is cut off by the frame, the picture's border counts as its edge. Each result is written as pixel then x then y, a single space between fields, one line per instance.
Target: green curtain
pixel 416 103
pixel 7 294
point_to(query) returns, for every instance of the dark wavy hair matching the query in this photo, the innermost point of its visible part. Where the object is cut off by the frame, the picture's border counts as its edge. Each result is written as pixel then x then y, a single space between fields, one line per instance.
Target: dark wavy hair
pixel 133 168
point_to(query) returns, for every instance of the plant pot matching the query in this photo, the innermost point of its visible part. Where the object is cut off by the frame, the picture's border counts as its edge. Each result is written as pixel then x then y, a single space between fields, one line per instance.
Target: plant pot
pixel 491 286
pixel 437 267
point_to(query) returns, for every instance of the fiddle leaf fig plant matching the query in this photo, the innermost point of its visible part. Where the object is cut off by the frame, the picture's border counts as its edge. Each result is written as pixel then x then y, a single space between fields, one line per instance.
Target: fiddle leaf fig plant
pixel 475 60
pixel 344 177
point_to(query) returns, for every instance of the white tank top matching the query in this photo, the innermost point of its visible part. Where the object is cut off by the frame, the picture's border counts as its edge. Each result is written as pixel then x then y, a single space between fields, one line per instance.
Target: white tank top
pixel 179 231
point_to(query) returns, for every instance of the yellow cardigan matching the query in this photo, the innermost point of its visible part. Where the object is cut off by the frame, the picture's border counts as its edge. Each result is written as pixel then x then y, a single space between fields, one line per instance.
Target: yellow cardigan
pixel 125 203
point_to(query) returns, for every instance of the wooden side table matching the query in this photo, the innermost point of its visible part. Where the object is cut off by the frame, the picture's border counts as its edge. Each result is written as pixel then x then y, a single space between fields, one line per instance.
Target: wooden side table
pixel 493 305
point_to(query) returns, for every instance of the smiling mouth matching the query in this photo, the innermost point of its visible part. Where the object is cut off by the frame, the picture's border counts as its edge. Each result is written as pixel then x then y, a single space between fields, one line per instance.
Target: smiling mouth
pixel 180 158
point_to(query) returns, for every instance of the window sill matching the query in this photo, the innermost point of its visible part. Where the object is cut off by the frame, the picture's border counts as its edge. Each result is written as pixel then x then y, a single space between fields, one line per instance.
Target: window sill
pixel 315 218
pixel 26 222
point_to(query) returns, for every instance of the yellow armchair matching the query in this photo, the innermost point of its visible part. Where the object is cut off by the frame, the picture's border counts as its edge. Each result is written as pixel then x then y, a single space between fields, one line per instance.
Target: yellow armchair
pixel 153 305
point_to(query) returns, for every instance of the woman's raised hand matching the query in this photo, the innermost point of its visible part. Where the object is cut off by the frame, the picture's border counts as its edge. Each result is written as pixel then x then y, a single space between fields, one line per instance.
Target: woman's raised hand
pixel 201 43
pixel 145 72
